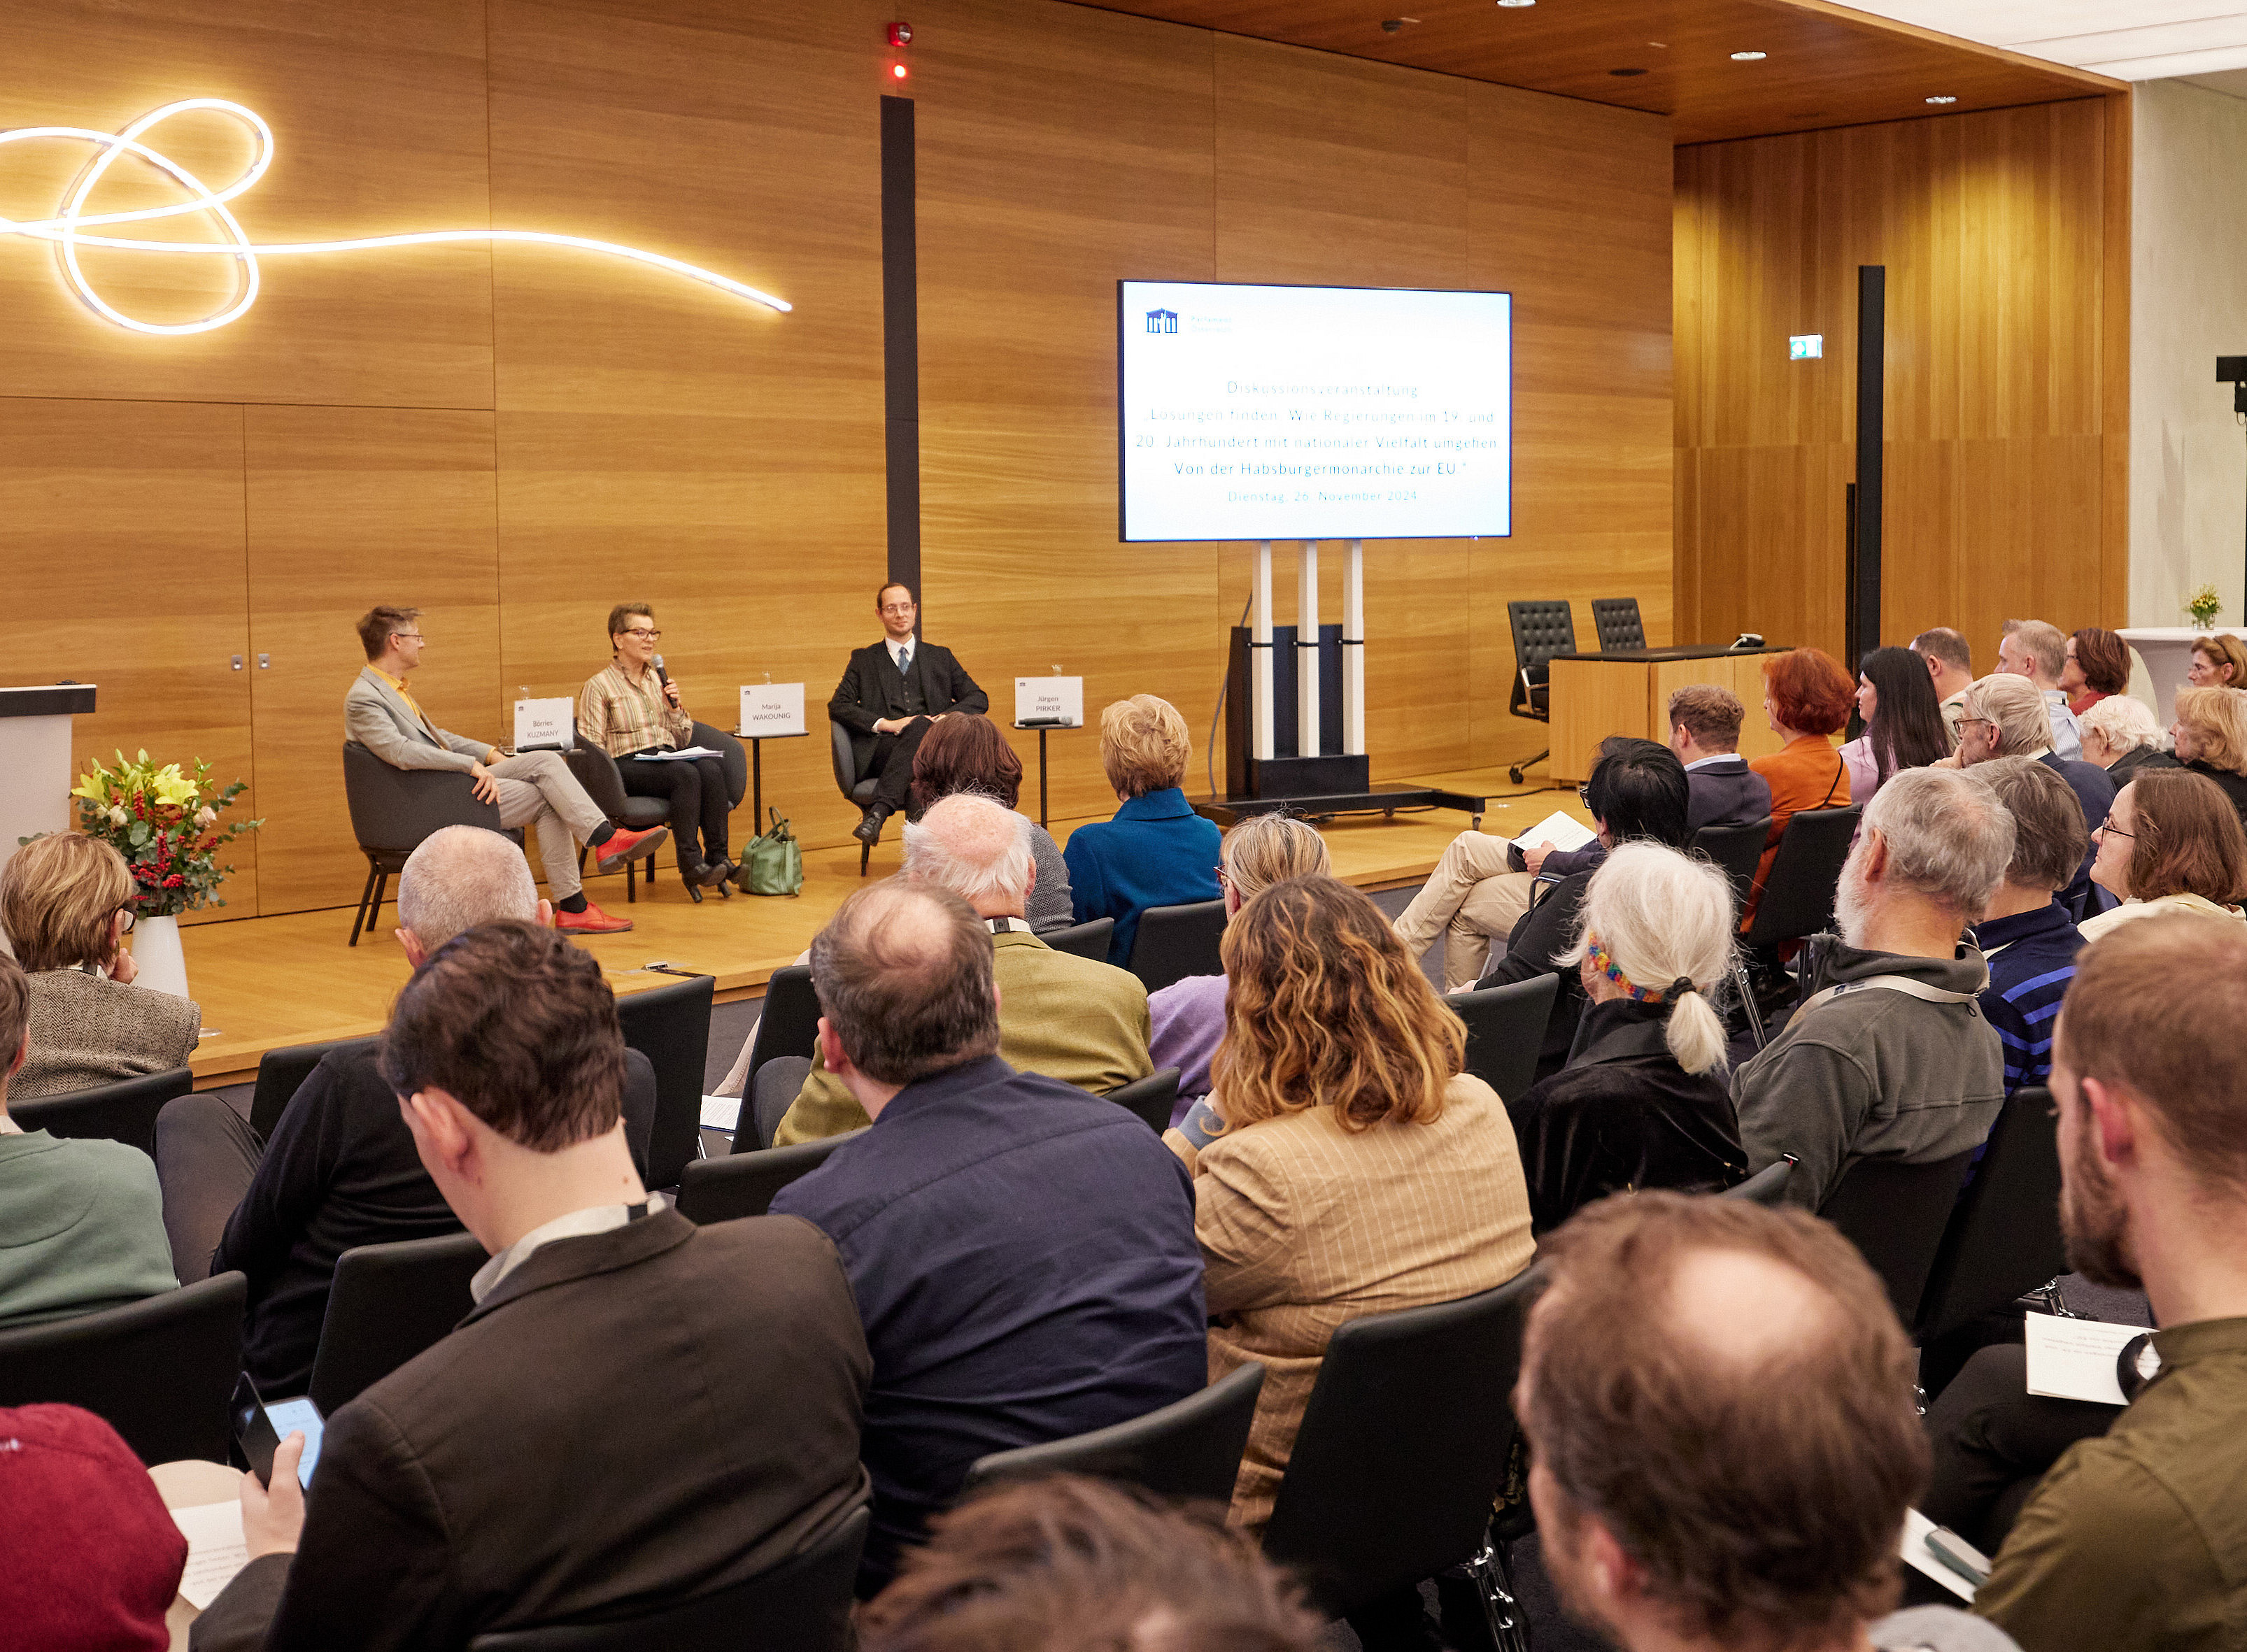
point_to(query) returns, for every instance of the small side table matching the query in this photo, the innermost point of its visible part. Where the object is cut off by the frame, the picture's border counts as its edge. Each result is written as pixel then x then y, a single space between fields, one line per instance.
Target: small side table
pixel 1043 730
pixel 757 773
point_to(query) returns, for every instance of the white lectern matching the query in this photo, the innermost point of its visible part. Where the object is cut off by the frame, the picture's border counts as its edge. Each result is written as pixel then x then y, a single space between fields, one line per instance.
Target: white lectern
pixel 35 755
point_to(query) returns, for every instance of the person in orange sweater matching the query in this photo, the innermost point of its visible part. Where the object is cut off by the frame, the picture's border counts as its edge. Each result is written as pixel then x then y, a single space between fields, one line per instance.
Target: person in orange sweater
pixel 1807 696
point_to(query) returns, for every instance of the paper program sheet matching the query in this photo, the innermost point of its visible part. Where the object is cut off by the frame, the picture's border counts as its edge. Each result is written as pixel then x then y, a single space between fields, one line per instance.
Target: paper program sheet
pixel 1921 1558
pixel 721 1112
pixel 1560 830
pixel 215 1550
pixel 2074 1359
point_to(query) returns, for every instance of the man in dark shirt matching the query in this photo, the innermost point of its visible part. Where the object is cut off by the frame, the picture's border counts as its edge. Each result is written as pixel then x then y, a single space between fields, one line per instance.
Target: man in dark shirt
pixel 1022 1252
pixel 2025 933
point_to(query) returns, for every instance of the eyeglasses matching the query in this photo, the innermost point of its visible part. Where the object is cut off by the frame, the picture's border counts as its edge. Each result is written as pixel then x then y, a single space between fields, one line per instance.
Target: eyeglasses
pixel 409 636
pixel 131 919
pixel 1962 721
pixel 643 634
pixel 2102 830
pixel 1223 878
pixel 897 608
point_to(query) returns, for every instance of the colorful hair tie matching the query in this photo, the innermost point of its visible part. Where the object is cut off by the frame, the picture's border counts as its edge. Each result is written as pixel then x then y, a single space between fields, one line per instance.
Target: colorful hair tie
pixel 1604 962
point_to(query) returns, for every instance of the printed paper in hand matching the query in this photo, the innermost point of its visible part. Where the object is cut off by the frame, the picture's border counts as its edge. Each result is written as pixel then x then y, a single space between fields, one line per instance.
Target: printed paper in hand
pixel 215 1550
pixel 545 724
pixel 721 1112
pixel 2074 1359
pixel 685 755
pixel 1560 830
pixel 1921 1558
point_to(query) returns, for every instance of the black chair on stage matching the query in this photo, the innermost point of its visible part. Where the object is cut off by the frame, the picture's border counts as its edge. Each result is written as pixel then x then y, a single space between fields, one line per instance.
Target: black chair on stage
pixel 721 1189
pixel 1615 621
pixel 1895 1214
pixel 802 1605
pixel 1174 942
pixel 1506 1031
pixel 1767 1187
pixel 670 1025
pixel 1086 940
pixel 788 1026
pixel 857 789
pixel 390 1302
pixel 1151 1098
pixel 1541 630
pixel 125 1111
pixel 1189 1450
pixel 2004 1238
pixel 160 1371
pixel 282 1073
pixel 393 809
pixel 605 783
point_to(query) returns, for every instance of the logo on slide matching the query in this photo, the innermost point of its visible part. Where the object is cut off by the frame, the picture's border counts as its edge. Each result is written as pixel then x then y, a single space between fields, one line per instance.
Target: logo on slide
pixel 1162 321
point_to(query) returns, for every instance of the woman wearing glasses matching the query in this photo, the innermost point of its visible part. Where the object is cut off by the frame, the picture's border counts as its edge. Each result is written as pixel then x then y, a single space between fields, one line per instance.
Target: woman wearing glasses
pixel 633 707
pixel 2171 843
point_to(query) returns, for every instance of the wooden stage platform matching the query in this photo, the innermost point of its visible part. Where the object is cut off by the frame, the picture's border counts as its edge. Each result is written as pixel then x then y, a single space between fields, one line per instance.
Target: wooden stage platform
pixel 265 982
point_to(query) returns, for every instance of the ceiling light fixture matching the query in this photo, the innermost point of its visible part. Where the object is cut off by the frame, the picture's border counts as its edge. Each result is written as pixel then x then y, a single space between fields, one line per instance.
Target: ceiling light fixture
pixel 1514 5
pixel 1942 99
pixel 1748 56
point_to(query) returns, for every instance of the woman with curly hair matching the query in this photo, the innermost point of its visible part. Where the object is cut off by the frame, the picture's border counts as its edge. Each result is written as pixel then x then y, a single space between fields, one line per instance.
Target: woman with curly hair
pixel 1807 695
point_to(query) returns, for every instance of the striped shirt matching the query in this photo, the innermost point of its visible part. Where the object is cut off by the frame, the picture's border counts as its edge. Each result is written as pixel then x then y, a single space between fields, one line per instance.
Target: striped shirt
pixel 622 720
pixel 2032 961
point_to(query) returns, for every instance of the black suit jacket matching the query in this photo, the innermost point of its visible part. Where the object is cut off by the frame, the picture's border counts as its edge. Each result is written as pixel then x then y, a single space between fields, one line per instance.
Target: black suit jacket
pixel 872 690
pixel 629 1419
pixel 1726 793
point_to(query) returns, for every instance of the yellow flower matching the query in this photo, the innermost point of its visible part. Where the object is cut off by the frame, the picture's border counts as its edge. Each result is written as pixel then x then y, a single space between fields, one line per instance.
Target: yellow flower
pixel 168 786
pixel 94 786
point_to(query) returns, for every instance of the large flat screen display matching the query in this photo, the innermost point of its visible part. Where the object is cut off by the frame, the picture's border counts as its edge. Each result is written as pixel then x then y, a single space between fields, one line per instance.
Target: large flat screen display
pixel 1314 412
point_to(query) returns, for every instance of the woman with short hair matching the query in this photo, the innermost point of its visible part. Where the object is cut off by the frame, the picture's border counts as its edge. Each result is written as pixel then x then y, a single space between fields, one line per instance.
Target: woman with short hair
pixel 2209 738
pixel 1904 721
pixel 2219 660
pixel 1806 696
pixel 2121 736
pixel 1157 851
pixel 2098 668
pixel 969 753
pixel 2171 843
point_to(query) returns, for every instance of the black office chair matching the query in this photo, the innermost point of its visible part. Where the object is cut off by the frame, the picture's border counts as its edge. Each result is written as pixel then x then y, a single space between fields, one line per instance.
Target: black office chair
pixel 282 1073
pixel 1615 619
pixel 125 1111
pixel 605 783
pixel 857 789
pixel 1506 1031
pixel 388 1303
pixel 802 1605
pixel 1152 1097
pixel 1798 896
pixel 1086 940
pixel 393 809
pixel 1767 1187
pixel 1736 850
pixel 2002 1238
pixel 160 1371
pixel 788 1026
pixel 721 1189
pixel 1174 942
pixel 1189 1450
pixel 670 1025
pixel 1895 1214
pixel 1541 630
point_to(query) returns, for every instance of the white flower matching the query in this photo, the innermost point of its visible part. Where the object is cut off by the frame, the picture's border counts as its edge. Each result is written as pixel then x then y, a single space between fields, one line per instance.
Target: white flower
pixel 206 815
pixel 118 816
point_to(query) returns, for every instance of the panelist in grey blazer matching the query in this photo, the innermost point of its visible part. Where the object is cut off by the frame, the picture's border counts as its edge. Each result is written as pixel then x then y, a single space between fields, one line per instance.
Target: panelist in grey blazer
pixel 535 788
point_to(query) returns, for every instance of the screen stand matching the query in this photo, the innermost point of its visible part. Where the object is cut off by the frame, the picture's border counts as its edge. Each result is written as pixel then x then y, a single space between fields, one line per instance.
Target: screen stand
pixel 1260 653
pixel 1352 651
pixel 1306 650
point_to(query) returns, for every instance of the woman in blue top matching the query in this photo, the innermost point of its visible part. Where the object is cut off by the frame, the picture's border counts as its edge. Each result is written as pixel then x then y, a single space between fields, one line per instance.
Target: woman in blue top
pixel 1157 851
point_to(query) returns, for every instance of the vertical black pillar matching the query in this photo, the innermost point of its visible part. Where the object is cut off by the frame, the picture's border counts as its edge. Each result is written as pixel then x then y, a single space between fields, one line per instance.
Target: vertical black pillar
pixel 1863 623
pixel 900 342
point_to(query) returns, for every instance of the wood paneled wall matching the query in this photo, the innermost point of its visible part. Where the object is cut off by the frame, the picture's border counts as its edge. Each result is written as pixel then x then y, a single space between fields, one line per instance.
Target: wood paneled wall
pixel 515 438
pixel 2005 239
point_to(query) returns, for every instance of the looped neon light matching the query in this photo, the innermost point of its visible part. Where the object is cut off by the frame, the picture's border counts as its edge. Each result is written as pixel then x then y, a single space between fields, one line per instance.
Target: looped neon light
pixel 67 228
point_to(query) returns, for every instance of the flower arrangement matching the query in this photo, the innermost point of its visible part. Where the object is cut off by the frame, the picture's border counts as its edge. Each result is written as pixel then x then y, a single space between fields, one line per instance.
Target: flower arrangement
pixel 166 825
pixel 2203 605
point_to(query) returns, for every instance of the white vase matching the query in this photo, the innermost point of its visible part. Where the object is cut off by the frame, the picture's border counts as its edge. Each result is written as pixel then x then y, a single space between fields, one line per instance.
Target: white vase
pixel 159 962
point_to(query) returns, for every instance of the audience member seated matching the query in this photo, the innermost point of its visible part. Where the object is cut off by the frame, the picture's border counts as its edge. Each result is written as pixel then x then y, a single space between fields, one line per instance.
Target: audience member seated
pixel 1073 1019
pixel 1067 1563
pixel 1643 1102
pixel 1717 1403
pixel 1806 698
pixel 66 905
pixel 1023 1253
pixel 2025 935
pixel 2005 717
pixel 1157 851
pixel 1474 899
pixel 1904 721
pixel 2098 668
pixel 972 754
pixel 2132 1542
pixel 1638 790
pixel 94 1558
pixel 2209 737
pixel 81 1222
pixel 1344 1164
pixel 635 1412
pixel 2219 660
pixel 1950 662
pixel 2170 843
pixel 2121 736
pixel 1902 1065
pixel 2032 649
pixel 341 1169
pixel 1187 1017
pixel 631 706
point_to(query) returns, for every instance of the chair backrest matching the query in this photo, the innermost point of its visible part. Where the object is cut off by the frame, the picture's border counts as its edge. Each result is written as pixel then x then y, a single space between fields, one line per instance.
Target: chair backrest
pixel 1541 630
pixel 395 809
pixel 1766 1187
pixel 733 758
pixel 1189 1450
pixel 1086 940
pixel 670 1025
pixel 1736 850
pixel 789 1025
pixel 802 1605
pixel 1615 619
pixel 1895 1214
pixel 1403 1445
pixel 846 760
pixel 388 1303
pixel 1506 1031
pixel 1798 896
pixel 1174 942
pixel 160 1371
pixel 282 1073
pixel 721 1189
pixel 2004 1235
pixel 1152 1097
pixel 597 771
pixel 125 1111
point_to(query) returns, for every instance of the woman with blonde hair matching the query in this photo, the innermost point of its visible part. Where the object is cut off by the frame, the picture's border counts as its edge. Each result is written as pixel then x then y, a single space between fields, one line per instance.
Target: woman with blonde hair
pixel 2219 660
pixel 1643 1102
pixel 1157 851
pixel 2209 738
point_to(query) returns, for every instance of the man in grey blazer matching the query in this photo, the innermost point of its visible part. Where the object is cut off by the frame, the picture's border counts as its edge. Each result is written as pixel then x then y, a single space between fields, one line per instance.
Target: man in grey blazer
pixel 535 788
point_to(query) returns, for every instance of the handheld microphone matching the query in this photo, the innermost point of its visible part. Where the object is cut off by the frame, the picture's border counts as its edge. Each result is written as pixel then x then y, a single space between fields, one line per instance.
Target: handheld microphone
pixel 660 676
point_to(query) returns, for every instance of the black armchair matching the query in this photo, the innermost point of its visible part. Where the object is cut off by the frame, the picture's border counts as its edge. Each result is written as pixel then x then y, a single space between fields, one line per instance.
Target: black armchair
pixel 1541 630
pixel 1615 619
pixel 857 789
pixel 597 772
pixel 393 810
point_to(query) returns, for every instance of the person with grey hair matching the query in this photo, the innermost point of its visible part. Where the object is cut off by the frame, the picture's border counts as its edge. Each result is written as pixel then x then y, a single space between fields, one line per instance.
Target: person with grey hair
pixel 2032 649
pixel 2007 717
pixel 2121 736
pixel 1074 1019
pixel 1889 1056
pixel 340 1169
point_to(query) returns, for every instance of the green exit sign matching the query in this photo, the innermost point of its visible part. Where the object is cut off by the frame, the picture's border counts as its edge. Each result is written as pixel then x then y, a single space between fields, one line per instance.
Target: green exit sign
pixel 1805 346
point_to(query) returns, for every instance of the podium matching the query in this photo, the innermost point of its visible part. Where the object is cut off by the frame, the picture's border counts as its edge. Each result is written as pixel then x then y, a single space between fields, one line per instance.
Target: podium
pixel 35 755
pixel 1627 692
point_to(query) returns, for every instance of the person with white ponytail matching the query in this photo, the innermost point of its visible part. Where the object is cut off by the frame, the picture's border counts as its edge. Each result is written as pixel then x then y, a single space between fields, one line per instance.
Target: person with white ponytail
pixel 1643 1102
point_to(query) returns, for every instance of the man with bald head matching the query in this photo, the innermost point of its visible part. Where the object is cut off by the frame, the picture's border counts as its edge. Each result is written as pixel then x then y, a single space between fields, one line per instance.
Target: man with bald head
pixel 1023 1253
pixel 1717 1403
pixel 1074 1019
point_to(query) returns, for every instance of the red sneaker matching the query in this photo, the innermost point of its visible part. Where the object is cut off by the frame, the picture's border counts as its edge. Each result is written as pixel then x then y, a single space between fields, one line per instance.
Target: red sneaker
pixel 623 846
pixel 592 921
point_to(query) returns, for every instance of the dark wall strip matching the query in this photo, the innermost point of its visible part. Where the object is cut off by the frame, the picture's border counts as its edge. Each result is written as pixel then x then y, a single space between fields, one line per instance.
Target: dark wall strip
pixel 900 341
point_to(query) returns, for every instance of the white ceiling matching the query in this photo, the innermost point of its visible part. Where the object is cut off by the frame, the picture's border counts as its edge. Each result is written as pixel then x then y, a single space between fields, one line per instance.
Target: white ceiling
pixel 2128 39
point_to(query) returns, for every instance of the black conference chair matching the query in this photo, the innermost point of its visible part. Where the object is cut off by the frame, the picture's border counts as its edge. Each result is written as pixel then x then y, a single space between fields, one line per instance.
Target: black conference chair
pixel 390 1302
pixel 1382 1488
pixel 160 1371
pixel 802 1605
pixel 1615 619
pixel 1798 896
pixel 1506 1031
pixel 788 1026
pixel 1541 630
pixel 1086 940
pixel 1151 1098
pixel 857 789
pixel 125 1111
pixel 1767 1187
pixel 1895 1214
pixel 1174 942
pixel 1190 1451
pixel 1736 850
pixel 393 809
pixel 282 1073
pixel 670 1025
pixel 721 1189
pixel 2004 1235
pixel 605 783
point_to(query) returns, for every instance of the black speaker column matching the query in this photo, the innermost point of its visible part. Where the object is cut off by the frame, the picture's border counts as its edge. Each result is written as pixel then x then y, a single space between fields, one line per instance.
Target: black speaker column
pixel 1864 596
pixel 900 342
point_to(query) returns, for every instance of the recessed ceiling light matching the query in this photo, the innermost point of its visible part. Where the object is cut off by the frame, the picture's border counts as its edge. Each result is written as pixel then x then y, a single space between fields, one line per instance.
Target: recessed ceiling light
pixel 1513 4
pixel 1942 99
pixel 1747 56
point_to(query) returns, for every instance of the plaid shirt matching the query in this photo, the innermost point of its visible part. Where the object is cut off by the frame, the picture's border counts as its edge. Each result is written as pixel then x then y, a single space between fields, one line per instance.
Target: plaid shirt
pixel 623 720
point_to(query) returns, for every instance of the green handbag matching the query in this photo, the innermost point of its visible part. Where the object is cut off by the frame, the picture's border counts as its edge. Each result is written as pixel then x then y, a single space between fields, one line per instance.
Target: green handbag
pixel 773 863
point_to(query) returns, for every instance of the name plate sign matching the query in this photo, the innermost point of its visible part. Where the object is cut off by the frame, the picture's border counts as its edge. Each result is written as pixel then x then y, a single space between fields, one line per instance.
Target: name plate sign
pixel 771 708
pixel 1049 699
pixel 550 725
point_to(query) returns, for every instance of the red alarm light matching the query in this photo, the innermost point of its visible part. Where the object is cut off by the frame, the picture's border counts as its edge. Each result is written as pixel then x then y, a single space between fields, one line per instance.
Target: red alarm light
pixel 898 69
pixel 901 34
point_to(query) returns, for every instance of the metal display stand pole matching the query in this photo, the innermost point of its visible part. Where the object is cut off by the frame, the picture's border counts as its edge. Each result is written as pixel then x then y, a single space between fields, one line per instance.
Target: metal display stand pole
pixel 1352 651
pixel 757 772
pixel 1260 646
pixel 1306 650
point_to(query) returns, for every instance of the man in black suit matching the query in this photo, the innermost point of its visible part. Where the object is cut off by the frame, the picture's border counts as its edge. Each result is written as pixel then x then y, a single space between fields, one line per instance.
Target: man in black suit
pixel 889 694
pixel 636 1411
pixel 1705 732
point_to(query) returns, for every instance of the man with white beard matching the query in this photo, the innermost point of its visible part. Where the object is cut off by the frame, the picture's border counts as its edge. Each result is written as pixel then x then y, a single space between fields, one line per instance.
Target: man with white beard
pixel 1889 1056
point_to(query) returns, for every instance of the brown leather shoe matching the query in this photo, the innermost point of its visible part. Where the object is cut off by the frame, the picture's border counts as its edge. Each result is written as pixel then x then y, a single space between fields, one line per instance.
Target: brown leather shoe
pixel 592 921
pixel 623 846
